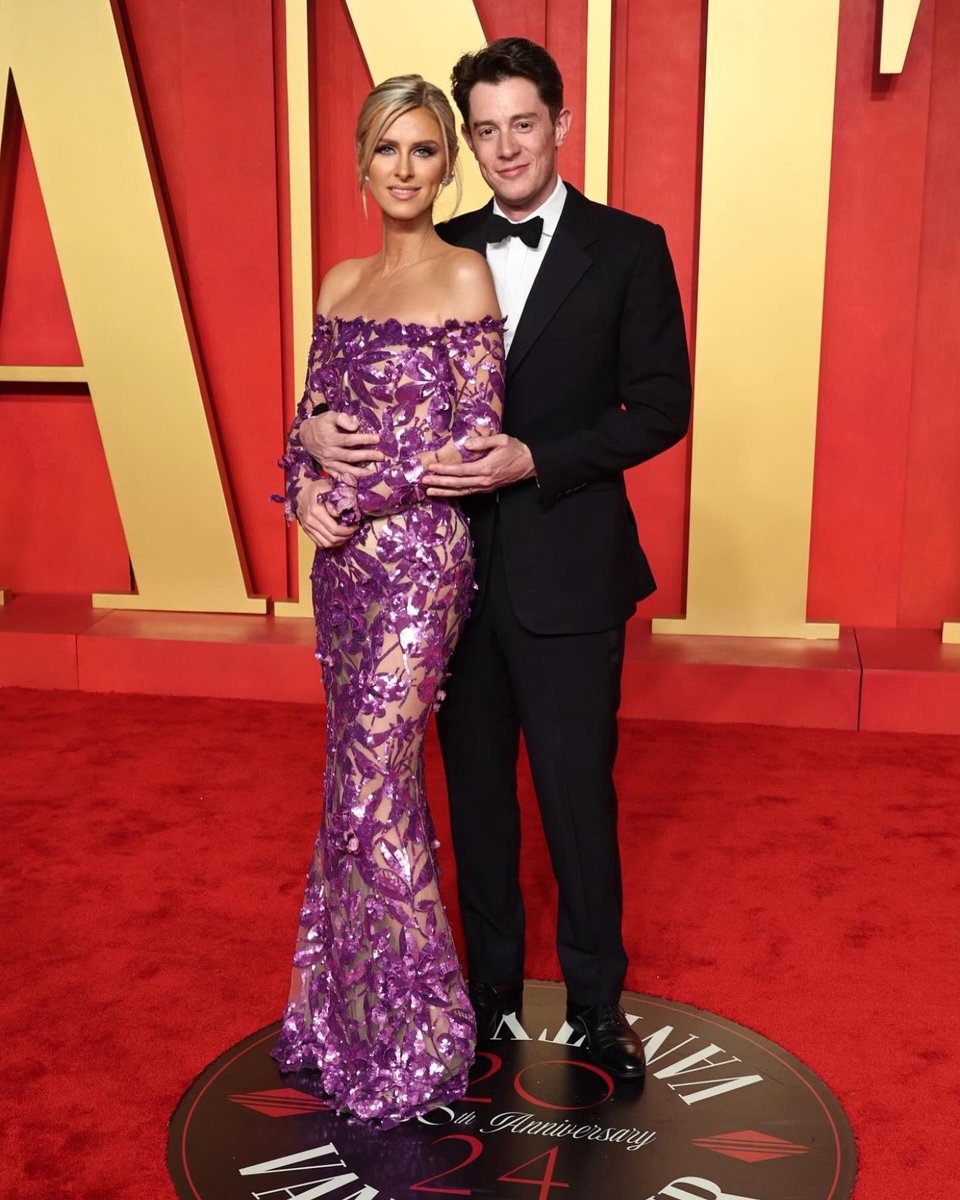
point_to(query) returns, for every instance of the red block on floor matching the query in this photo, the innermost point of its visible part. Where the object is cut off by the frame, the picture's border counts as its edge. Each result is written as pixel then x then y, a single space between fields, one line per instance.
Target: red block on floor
pixel 38 640
pixel 764 681
pixel 911 681
pixel 200 654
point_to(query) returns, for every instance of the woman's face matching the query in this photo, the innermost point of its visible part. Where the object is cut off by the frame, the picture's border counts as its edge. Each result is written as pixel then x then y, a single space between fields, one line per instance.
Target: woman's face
pixel 407 168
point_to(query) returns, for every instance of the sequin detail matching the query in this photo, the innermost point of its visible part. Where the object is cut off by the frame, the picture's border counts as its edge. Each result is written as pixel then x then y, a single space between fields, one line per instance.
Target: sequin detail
pixel 378 1004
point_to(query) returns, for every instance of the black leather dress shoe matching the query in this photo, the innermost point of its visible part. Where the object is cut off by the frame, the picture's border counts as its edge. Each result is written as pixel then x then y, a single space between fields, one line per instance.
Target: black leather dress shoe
pixel 491 1003
pixel 609 1038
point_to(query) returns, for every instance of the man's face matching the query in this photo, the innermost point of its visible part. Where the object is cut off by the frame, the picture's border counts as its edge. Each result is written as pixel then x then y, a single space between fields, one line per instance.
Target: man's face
pixel 515 143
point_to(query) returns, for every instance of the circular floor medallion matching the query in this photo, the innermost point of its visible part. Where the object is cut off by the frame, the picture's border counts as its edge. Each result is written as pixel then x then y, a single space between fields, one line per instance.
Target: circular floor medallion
pixel 725 1114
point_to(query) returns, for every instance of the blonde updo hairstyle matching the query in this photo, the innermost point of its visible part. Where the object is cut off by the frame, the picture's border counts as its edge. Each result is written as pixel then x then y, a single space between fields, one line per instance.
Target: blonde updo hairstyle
pixel 391 99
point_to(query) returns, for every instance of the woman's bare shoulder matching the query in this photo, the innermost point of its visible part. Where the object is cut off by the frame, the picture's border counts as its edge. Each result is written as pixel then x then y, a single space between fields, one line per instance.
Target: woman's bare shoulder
pixel 469 285
pixel 340 281
pixel 461 261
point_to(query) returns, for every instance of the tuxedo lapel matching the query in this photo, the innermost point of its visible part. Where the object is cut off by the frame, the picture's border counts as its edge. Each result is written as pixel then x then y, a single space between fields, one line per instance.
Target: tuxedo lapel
pixel 564 263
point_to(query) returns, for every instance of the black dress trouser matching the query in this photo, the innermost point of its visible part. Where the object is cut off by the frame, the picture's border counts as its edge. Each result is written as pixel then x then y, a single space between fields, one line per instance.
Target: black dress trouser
pixel 563 692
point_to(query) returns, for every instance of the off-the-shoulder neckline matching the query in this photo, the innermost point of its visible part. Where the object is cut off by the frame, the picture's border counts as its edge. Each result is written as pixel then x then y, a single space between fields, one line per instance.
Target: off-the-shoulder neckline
pixel 486 324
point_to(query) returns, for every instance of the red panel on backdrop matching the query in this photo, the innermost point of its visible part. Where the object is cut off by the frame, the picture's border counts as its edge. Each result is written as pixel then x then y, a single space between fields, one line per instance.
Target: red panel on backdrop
pixel 36 328
pixel 566 39
pixel 507 18
pixel 655 172
pixel 342 81
pixel 59 526
pixel 873 250
pixel 930 567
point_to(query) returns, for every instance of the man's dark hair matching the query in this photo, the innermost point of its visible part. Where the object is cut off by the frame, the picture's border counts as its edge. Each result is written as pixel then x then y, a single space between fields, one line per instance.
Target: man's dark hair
pixel 508 58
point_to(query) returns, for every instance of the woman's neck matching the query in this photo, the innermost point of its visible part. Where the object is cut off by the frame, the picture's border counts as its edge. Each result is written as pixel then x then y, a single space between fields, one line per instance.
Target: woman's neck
pixel 407 242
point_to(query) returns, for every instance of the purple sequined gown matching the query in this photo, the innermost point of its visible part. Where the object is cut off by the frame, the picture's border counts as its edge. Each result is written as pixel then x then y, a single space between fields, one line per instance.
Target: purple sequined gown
pixel 378 1004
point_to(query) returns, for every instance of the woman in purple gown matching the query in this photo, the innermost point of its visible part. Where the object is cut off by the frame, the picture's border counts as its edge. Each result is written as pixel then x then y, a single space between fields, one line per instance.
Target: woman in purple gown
pixel 409 342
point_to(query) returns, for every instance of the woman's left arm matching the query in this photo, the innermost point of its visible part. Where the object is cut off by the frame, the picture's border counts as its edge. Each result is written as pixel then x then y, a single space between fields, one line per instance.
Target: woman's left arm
pixel 477 362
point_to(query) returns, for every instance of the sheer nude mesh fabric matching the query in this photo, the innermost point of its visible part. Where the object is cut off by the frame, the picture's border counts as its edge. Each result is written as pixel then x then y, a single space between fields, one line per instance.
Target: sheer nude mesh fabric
pixel 377 1002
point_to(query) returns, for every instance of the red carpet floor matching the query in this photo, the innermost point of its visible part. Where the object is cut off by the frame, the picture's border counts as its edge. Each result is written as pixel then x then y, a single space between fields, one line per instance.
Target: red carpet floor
pixel 802 883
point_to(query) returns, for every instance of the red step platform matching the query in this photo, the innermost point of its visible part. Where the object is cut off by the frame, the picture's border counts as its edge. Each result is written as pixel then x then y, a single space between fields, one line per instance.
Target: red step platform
pixel 900 680
pixel 762 681
pixel 911 681
pixel 63 642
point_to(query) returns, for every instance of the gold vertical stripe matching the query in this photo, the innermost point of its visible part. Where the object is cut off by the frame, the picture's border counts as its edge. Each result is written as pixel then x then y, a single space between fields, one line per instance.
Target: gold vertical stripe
pixel 768 132
pixel 297 56
pixel 301 186
pixel 597 136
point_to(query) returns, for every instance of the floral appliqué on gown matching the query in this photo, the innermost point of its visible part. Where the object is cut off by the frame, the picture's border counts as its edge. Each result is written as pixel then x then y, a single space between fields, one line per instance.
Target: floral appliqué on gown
pixel 378 1004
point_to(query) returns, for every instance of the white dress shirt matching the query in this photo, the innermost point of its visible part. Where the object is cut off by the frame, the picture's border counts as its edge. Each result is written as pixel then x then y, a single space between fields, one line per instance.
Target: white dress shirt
pixel 514 265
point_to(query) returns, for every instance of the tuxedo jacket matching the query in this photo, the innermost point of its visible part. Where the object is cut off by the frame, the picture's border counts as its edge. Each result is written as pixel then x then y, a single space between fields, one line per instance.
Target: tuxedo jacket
pixel 598 380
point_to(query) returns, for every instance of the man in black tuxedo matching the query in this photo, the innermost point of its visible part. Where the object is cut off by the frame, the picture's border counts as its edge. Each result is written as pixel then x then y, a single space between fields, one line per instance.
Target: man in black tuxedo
pixel 597 381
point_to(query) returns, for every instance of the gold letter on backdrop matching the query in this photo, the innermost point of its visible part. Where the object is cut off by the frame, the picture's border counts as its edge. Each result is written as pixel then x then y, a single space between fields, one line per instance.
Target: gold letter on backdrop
pixel 67 65
pixel 768 129
pixel 596 149
pixel 899 18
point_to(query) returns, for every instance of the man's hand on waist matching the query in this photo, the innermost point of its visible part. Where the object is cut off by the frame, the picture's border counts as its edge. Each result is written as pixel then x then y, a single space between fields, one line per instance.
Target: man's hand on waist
pixel 332 440
pixel 502 460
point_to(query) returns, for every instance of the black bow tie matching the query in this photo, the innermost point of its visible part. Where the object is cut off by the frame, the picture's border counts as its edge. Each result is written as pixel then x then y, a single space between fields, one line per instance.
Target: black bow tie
pixel 498 228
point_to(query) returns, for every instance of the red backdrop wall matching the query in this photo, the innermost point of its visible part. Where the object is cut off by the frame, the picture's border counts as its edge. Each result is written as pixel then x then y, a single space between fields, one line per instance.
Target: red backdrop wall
pixel 886 522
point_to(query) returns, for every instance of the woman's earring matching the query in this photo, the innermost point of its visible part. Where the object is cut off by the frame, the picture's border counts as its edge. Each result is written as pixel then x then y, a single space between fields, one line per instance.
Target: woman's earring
pixel 446 180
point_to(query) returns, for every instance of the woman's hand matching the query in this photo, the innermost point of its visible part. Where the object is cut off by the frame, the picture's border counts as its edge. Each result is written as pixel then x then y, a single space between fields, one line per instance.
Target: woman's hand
pixel 317 521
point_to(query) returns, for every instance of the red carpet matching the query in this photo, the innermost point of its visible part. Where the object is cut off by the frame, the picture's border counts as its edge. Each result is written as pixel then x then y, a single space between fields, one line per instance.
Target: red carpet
pixel 802 883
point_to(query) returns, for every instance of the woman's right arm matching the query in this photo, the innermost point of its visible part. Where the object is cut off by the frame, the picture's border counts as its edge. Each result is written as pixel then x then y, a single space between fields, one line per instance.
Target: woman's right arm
pixel 306 485
pixel 298 465
pixel 331 438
